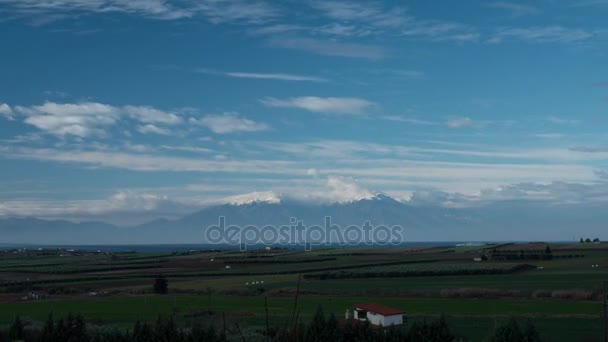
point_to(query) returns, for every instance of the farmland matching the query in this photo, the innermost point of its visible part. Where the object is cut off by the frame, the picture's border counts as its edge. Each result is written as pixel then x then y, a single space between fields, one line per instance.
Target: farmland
pixel 475 287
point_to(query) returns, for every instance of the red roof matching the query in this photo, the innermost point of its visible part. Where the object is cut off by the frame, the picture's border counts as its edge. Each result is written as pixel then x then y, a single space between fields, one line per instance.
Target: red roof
pixel 379 309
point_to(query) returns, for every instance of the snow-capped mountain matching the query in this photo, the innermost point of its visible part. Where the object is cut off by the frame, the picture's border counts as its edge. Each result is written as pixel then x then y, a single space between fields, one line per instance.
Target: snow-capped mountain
pixel 496 221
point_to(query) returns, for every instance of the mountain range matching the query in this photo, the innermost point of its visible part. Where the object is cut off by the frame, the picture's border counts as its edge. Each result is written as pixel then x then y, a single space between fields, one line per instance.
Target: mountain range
pixel 497 221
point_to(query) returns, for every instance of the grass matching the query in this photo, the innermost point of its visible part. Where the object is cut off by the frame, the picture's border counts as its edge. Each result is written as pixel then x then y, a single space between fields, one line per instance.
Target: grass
pixel 470 317
pixel 191 275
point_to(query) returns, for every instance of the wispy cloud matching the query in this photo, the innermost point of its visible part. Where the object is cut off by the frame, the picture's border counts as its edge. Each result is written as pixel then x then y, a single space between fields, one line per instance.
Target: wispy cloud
pixel 372 18
pixel 563 121
pixel 549 135
pixel 276 29
pixel 45 11
pixel 331 105
pixel 229 123
pixel 589 3
pixel 516 9
pixel 336 189
pixel 152 129
pixel 263 76
pixel 441 31
pixel 148 114
pixel 462 123
pixel 408 120
pixel 588 149
pixel 281 77
pixel 330 47
pixel 371 13
pixel 6 111
pixel 542 34
pixel 42 12
pixel 234 11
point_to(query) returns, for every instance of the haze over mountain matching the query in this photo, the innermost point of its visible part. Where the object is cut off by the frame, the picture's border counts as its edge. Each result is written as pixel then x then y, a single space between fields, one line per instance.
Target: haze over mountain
pixel 507 220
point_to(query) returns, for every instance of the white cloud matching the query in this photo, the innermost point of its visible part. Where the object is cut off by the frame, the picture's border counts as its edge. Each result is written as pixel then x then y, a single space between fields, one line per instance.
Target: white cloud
pixel 408 120
pixel 6 111
pixel 549 135
pixel 281 77
pixel 253 197
pixel 312 172
pixel 461 123
pixel 86 119
pixel 191 149
pixel 234 11
pixel 370 13
pixel 263 76
pixel 229 123
pixel 516 9
pixel 152 129
pixel 372 18
pixel 147 114
pixel 330 47
pixel 542 34
pixel 81 119
pixel 276 29
pixel 123 207
pixel 59 9
pixel 333 105
pixel 440 31
pixel 388 167
pixel 337 190
pixel 42 12
pixel 563 121
pixel 559 192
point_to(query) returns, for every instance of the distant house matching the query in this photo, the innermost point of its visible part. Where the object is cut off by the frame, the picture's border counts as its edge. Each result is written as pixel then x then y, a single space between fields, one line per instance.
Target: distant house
pixel 36 296
pixel 376 314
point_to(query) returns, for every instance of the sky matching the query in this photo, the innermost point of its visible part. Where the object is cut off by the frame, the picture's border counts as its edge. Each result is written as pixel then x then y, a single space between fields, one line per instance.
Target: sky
pixel 158 108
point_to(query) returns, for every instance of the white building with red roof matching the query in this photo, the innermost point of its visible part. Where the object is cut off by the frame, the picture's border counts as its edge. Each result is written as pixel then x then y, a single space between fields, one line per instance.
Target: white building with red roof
pixel 377 314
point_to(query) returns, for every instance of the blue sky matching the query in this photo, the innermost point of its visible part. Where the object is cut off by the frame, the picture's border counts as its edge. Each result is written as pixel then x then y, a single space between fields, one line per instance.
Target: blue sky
pixel 159 107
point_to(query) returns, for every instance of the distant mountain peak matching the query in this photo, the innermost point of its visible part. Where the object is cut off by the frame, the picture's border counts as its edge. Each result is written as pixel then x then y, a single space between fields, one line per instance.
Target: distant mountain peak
pixel 254 197
pixel 380 197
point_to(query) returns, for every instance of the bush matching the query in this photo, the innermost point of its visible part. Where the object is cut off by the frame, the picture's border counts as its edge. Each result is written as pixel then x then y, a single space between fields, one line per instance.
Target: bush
pixel 572 294
pixel 161 285
pixel 541 294
pixel 478 293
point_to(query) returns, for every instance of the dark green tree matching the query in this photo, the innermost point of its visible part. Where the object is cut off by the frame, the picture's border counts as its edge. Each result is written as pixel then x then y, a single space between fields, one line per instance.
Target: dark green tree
pixel 161 285
pixel 509 332
pixel 17 330
pixel 316 329
pixel 60 331
pixel 440 331
pixel 76 330
pixel 141 333
pixel 530 332
pixel 548 253
pixel 48 330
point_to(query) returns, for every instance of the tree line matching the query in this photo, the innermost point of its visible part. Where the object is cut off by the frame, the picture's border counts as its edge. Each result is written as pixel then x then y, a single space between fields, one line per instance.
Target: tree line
pixel 322 327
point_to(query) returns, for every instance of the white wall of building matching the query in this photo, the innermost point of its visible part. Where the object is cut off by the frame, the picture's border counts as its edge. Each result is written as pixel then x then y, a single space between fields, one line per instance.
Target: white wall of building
pixel 378 319
pixel 375 318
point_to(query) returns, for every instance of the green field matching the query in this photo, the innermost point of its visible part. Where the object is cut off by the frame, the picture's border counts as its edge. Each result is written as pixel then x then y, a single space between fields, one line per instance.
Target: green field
pixel 560 294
